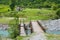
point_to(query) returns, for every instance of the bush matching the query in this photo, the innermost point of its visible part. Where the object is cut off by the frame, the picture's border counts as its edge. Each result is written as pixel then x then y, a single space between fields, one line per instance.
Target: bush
pixel 58 5
pixel 58 13
pixel 54 7
pixel 12 6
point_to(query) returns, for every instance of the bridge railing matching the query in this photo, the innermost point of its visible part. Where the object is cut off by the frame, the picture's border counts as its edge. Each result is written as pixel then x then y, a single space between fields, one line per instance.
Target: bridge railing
pixel 41 26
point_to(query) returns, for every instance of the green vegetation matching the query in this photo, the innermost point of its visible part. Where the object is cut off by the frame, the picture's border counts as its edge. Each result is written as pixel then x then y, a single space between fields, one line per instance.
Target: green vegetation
pixel 33 3
pixel 53 37
pixel 58 13
pixel 21 37
pixel 12 5
pixel 48 36
pixel 37 14
pixel 5 20
pixel 4 8
pixel 14 27
pixel 32 10
pixel 28 12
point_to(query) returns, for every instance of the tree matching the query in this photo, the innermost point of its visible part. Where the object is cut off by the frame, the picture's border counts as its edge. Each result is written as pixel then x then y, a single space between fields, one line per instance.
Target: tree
pixel 54 6
pixel 14 26
pixel 12 5
pixel 30 3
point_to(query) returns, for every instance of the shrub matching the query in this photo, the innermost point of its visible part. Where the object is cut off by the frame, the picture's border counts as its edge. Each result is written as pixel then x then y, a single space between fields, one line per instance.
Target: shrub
pixel 12 5
pixel 58 13
pixel 54 7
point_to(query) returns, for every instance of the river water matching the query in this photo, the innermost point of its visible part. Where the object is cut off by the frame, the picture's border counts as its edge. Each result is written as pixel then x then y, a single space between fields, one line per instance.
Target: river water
pixel 52 26
pixel 52 32
pixel 4 33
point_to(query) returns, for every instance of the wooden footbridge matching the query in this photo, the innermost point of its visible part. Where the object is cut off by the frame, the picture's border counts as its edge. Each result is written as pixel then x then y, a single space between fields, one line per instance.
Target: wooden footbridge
pixel 33 27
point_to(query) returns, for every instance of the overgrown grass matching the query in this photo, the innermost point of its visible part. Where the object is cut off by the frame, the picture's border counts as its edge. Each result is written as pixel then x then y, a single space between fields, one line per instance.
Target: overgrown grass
pixel 21 37
pixel 28 13
pixel 37 14
pixel 4 8
pixel 53 37
pixel 5 20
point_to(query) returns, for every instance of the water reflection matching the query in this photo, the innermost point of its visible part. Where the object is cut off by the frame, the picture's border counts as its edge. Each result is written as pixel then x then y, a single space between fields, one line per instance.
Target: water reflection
pixel 27 29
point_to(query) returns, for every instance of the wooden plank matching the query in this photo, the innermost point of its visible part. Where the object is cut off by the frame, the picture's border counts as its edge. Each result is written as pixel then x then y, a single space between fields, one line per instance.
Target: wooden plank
pixel 36 28
pixel 22 31
pixel 39 33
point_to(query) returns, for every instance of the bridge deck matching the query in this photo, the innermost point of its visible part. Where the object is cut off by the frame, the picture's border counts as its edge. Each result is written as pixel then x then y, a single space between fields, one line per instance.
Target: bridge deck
pixel 39 33
pixel 22 33
pixel 36 28
pixel 22 30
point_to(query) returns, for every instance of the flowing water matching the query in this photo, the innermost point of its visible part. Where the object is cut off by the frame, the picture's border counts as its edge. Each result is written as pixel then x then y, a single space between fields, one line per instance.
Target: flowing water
pixel 53 32
pixel 4 33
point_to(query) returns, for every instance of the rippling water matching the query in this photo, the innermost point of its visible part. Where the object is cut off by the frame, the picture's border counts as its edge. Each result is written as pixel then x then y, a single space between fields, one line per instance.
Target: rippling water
pixel 53 26
pixel 53 32
pixel 4 33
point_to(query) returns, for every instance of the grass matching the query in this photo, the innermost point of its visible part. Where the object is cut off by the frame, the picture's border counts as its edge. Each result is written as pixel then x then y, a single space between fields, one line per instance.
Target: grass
pixel 37 14
pixel 4 20
pixel 21 37
pixel 28 13
pixel 53 37
pixel 34 14
pixel 4 8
